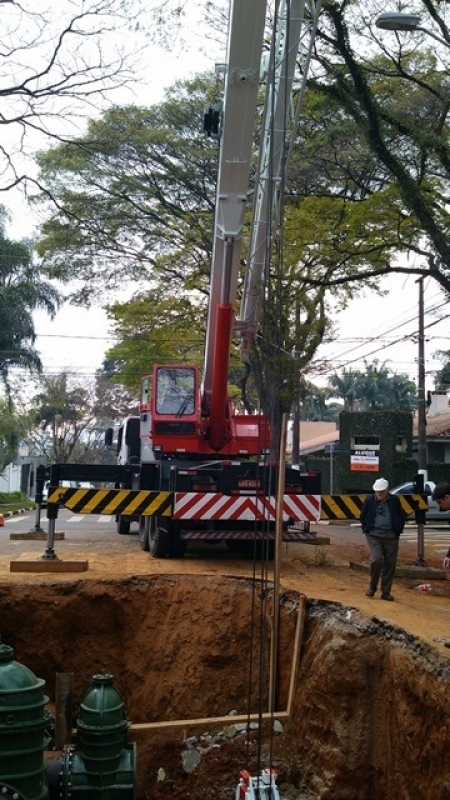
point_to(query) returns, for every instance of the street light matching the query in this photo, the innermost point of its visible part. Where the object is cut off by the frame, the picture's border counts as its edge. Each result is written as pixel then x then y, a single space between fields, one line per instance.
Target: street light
pixel 406 22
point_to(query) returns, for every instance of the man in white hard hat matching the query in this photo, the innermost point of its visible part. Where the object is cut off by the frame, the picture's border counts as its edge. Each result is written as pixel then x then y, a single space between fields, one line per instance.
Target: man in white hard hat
pixel 382 521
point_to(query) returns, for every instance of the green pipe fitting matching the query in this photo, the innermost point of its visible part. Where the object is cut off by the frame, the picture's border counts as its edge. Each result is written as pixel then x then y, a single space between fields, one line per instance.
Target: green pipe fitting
pixel 23 720
pixel 102 763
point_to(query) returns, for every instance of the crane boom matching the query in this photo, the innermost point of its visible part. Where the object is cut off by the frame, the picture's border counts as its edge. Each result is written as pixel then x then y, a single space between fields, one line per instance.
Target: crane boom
pixel 245 39
pixel 296 25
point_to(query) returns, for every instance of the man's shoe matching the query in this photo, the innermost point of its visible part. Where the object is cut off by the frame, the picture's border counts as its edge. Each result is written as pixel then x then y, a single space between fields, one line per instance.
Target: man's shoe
pixel 370 592
pixel 386 597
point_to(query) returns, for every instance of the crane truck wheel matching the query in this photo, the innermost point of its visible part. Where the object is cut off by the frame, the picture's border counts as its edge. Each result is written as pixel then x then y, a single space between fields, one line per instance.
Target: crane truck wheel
pixel 159 541
pixel 144 532
pixel 165 540
pixel 123 525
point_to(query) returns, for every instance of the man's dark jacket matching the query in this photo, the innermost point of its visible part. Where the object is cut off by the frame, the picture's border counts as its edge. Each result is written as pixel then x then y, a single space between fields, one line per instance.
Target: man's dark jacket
pixel 368 513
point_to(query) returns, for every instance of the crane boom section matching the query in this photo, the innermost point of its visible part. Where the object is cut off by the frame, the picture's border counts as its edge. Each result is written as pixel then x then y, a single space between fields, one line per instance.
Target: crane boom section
pixel 293 42
pixel 243 63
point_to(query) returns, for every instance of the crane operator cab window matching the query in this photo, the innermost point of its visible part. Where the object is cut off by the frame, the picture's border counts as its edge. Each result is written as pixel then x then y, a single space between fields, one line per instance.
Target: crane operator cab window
pixel 175 391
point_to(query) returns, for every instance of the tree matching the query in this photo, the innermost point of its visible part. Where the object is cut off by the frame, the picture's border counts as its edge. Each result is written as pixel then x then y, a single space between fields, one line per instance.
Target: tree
pixel 9 435
pixel 376 145
pixel 443 375
pixel 135 199
pixel 58 60
pixel 22 291
pixel 346 386
pixel 376 388
pixel 138 192
pixel 64 425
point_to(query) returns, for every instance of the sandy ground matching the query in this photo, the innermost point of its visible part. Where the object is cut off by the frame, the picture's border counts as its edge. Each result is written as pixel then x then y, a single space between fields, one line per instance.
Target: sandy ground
pixel 370 712
pixel 321 572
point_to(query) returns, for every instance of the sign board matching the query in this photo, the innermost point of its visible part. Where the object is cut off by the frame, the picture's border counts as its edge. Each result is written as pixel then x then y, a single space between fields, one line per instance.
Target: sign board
pixel 337 449
pixel 365 459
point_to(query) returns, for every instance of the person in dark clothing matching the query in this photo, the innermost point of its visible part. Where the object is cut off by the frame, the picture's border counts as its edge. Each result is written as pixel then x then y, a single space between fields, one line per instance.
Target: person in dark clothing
pixel 382 521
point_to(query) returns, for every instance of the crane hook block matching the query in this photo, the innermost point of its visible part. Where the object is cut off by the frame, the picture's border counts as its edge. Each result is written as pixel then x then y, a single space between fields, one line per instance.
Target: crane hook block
pixel 263 787
pixel 211 121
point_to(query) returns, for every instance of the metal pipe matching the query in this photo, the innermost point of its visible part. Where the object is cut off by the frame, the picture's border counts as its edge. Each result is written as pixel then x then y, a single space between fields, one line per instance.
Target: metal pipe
pixel 274 642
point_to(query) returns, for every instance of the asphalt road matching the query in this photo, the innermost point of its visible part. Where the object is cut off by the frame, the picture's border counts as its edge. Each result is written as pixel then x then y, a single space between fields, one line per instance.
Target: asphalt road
pixel 93 532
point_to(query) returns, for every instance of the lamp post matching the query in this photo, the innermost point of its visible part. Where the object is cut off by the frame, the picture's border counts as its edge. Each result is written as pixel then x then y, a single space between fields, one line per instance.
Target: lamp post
pixel 406 22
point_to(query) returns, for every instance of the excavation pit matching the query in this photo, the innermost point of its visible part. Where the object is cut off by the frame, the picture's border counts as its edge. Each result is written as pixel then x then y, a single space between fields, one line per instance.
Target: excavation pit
pixel 369 712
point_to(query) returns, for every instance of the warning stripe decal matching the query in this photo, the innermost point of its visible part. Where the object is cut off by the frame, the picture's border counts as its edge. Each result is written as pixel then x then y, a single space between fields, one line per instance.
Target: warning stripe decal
pixel 114 501
pixel 215 506
pixel 348 506
pixel 218 536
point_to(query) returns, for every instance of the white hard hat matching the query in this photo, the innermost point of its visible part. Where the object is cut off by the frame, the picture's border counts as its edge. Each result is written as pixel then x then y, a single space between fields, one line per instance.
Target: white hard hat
pixel 380 485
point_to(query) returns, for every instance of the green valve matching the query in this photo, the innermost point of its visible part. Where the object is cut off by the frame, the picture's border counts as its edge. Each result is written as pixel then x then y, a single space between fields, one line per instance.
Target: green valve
pixel 102 764
pixel 23 720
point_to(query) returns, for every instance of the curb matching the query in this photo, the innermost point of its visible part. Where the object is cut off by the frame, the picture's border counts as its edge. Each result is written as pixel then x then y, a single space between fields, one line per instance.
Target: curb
pixel 6 514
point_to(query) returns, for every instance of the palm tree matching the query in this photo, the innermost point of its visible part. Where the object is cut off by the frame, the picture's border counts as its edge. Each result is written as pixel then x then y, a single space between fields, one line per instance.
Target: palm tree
pixel 22 291
pixel 346 386
pixel 373 387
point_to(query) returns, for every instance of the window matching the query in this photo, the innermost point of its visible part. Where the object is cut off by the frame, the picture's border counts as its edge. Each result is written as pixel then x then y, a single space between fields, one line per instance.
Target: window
pixel 175 391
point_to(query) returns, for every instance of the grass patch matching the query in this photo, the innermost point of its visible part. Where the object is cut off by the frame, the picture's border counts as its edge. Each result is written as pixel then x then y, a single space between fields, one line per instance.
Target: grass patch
pixel 14 501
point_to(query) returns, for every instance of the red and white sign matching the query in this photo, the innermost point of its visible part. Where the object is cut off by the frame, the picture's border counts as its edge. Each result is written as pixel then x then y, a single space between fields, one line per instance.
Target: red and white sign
pixel 215 506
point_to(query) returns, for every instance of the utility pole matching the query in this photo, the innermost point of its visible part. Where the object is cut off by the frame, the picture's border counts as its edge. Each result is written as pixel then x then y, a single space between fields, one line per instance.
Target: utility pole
pixel 422 422
pixel 421 428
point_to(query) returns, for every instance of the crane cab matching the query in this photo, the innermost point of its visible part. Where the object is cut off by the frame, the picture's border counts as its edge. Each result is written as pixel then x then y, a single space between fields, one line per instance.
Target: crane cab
pixel 173 409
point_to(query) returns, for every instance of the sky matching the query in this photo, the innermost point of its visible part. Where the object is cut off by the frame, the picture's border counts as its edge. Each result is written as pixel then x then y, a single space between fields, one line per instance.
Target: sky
pixel 385 329
pixel 372 328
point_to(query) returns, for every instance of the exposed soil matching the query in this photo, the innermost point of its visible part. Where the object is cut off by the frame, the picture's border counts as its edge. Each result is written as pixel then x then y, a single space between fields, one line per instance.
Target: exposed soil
pixel 370 708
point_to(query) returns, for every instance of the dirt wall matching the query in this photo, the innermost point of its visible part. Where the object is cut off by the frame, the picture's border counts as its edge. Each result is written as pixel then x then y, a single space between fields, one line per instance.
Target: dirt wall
pixel 370 716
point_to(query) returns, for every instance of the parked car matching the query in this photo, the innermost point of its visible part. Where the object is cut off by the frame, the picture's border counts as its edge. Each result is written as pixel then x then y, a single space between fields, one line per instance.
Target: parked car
pixel 433 512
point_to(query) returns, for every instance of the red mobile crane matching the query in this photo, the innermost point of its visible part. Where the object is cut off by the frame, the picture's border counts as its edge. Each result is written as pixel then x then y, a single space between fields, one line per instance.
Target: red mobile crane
pixel 188 467
pixel 207 455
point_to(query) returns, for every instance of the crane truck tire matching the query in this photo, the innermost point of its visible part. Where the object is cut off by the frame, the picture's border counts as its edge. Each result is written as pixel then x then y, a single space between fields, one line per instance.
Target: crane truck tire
pixel 123 525
pixel 165 540
pixel 144 532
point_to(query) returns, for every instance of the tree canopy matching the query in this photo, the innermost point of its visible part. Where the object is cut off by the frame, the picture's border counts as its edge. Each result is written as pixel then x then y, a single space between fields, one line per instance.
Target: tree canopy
pixel 368 185
pixel 23 290
pixel 374 154
pixel 57 63
pixel 376 388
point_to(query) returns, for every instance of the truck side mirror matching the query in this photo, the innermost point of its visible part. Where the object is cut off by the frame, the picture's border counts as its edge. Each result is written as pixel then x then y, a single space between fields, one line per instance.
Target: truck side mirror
pixel 108 437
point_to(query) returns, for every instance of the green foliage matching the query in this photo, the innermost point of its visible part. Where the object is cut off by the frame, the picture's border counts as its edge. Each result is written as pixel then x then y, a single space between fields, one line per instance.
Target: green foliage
pixel 9 435
pixel 13 501
pixel 135 198
pixel 390 427
pixel 22 291
pixel 443 375
pixel 368 180
pixel 374 148
pixel 152 328
pixel 376 388
pixel 65 422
